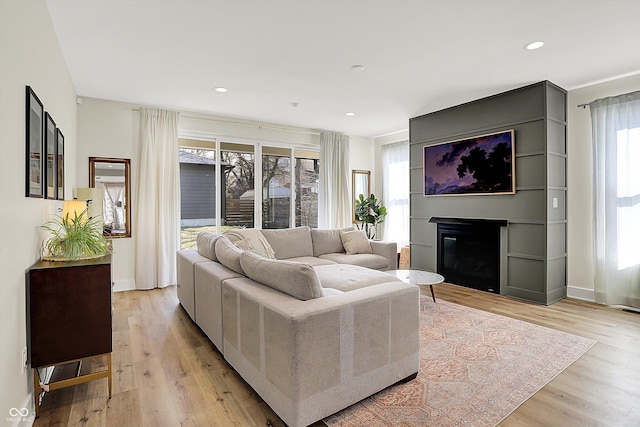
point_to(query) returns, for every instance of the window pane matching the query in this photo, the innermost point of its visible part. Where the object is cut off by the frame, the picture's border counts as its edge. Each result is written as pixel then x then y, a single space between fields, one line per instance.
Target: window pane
pixel 197 194
pixel 306 174
pixel 276 191
pixel 238 176
pixel 628 197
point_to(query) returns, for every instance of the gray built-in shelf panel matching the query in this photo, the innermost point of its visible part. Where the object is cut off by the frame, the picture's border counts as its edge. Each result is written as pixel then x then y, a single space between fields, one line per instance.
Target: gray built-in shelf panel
pixel 533 252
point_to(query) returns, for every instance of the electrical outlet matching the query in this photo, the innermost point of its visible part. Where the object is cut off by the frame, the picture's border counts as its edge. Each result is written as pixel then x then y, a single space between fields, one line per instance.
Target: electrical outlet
pixel 555 202
pixel 24 360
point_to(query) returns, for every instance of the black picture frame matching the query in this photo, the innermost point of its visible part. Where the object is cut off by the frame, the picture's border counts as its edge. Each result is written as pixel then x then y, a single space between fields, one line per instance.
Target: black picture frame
pixel 34 143
pixel 60 165
pixel 50 148
pixel 480 165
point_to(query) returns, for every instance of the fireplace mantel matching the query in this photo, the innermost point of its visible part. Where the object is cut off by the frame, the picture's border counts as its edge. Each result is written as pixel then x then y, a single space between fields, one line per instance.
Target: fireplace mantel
pixel 469 221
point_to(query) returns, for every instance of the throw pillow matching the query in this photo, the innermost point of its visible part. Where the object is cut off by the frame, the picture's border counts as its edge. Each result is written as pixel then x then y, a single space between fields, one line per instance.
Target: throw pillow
pixel 355 242
pixel 252 240
pixel 293 278
pixel 327 241
pixel 228 254
pixel 206 243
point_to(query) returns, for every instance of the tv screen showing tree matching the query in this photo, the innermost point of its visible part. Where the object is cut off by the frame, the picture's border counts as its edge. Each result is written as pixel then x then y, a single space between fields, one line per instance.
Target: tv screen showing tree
pixel 479 165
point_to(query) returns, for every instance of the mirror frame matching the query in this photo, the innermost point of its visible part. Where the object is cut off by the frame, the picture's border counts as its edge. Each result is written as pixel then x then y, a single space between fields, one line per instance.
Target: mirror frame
pixel 127 189
pixel 354 174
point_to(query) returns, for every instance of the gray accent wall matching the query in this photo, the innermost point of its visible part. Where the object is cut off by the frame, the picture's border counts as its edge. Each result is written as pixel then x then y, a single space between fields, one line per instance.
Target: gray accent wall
pixel 533 247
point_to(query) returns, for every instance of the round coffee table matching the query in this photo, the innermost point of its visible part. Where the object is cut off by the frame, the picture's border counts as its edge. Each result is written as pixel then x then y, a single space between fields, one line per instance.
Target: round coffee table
pixel 418 277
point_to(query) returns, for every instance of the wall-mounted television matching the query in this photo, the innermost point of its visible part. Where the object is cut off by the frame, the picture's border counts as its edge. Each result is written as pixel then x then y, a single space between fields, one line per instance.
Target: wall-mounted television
pixel 481 164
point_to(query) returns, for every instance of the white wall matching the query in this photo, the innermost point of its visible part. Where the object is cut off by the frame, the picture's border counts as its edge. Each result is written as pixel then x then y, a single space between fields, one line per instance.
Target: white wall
pixel 362 157
pixel 580 268
pixel 110 129
pixel 225 127
pixel 30 55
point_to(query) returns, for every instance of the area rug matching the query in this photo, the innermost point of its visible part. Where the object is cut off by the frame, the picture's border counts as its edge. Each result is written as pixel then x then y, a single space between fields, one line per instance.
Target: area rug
pixel 476 368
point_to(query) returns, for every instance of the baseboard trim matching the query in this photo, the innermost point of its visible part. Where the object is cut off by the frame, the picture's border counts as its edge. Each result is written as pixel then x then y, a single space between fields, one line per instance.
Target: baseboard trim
pixel 581 294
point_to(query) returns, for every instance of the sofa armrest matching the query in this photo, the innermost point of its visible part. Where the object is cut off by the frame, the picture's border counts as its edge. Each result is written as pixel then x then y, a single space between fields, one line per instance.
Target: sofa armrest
pixel 186 260
pixel 388 250
pixel 310 359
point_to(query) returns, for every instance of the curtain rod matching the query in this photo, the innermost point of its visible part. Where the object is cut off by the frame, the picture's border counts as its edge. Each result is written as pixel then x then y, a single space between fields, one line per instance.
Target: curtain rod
pixel 582 105
pixel 241 123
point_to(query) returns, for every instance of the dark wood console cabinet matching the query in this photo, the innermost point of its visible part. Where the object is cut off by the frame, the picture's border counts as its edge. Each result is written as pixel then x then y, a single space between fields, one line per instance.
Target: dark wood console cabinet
pixel 68 317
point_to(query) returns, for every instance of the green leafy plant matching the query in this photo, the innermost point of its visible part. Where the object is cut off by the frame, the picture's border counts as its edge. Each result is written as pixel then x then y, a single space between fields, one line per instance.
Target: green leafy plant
pixel 370 212
pixel 73 238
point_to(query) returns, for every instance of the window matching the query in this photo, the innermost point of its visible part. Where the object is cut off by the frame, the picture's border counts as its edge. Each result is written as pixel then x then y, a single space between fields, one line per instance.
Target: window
pixel 277 191
pixel 276 187
pixel 395 189
pixel 307 172
pixel 238 172
pixel 197 192
pixel 284 192
pixel 628 197
pixel 616 153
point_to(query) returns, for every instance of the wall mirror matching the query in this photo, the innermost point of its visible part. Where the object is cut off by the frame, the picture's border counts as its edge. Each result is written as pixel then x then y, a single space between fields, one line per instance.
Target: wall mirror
pixel 113 177
pixel 360 181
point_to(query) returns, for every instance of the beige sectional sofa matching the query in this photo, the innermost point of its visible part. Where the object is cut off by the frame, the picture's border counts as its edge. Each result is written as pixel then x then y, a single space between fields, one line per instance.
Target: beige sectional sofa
pixel 312 327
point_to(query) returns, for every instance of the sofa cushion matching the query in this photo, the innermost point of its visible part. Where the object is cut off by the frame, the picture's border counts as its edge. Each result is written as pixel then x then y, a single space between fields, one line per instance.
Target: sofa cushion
pixel 229 254
pixel 206 243
pixel 355 242
pixel 327 241
pixel 251 239
pixel 374 261
pixel 351 277
pixel 290 242
pixel 295 279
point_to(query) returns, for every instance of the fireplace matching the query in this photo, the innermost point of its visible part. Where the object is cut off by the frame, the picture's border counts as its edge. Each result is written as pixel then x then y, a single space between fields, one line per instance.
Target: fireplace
pixel 468 252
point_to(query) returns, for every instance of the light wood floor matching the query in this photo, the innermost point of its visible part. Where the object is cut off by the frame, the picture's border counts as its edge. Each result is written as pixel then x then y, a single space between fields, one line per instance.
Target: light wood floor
pixel 167 373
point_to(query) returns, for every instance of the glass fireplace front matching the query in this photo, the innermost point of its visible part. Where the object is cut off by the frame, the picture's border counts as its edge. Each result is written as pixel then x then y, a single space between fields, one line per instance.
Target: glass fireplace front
pixel 469 255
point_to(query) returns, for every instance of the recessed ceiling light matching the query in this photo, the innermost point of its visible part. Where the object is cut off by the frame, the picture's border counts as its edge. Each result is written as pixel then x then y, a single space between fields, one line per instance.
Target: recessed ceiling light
pixel 357 68
pixel 220 89
pixel 534 45
pixel 349 114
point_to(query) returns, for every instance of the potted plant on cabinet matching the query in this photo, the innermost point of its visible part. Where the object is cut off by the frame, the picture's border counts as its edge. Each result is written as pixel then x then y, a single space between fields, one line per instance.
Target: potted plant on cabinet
pixel 370 212
pixel 73 236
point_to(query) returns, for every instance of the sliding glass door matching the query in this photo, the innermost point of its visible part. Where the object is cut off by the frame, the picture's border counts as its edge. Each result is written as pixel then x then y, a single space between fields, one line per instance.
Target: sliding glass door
pixel 237 164
pixel 218 182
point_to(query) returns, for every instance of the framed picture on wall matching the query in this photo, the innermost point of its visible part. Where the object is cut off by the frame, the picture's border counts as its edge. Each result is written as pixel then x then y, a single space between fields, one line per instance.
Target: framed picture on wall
pixel 60 165
pixel 481 164
pixel 34 115
pixel 50 143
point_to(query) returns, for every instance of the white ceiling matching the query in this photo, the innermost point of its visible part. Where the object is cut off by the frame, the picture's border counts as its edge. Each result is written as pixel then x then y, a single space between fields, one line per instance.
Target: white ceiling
pixel 419 56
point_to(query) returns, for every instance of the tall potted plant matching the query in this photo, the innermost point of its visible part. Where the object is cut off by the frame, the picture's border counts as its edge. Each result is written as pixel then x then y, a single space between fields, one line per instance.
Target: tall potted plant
pixel 370 212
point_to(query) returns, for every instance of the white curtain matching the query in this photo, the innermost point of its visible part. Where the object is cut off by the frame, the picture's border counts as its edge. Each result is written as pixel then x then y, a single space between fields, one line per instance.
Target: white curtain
pixel 113 198
pixel 395 192
pixel 616 154
pixel 334 195
pixel 157 219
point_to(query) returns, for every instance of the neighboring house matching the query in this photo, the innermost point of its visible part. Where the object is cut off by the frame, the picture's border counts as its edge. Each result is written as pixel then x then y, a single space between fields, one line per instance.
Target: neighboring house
pixel 197 189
